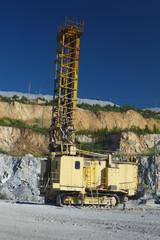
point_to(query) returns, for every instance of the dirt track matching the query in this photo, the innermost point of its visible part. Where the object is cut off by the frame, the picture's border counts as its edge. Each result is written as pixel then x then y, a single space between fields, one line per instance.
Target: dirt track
pixel 32 221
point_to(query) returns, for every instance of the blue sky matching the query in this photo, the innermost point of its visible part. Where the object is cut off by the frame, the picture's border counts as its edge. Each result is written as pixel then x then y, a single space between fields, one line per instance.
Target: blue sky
pixel 119 56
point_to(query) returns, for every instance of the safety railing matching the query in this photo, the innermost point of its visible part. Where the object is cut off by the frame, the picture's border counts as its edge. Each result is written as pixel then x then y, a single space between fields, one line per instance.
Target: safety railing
pixel 68 21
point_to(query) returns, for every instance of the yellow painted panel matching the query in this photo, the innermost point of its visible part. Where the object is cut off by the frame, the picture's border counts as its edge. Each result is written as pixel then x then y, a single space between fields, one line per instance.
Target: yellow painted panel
pixel 70 177
pixel 112 177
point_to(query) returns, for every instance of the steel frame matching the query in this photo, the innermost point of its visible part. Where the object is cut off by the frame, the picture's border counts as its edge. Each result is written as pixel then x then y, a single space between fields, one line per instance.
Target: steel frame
pixel 62 131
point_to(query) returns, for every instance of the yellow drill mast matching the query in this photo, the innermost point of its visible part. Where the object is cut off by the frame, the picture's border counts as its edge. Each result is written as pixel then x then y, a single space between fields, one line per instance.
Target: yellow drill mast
pixel 62 130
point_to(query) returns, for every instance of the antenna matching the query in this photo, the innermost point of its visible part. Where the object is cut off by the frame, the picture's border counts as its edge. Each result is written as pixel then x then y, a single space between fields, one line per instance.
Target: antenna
pixel 29 88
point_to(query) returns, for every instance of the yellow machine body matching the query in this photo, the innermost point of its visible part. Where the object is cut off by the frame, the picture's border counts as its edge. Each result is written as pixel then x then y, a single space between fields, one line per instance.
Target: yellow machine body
pixel 121 177
pixel 93 179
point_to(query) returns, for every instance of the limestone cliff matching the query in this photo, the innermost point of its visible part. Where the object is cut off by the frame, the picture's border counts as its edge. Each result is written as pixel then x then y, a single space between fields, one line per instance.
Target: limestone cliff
pixel 22 141
pixel 97 120
pixel 85 119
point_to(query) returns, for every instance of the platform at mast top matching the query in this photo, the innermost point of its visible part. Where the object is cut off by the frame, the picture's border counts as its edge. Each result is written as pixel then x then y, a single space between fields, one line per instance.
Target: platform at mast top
pixel 68 21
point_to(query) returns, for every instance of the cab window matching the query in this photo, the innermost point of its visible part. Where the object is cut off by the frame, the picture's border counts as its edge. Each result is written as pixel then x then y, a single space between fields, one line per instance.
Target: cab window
pixel 77 164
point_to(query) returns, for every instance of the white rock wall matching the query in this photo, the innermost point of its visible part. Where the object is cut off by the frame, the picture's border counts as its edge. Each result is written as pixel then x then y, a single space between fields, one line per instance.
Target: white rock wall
pixel 19 177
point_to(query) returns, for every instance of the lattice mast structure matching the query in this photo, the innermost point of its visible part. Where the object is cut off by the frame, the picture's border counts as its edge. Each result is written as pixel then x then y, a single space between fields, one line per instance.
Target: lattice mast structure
pixel 62 130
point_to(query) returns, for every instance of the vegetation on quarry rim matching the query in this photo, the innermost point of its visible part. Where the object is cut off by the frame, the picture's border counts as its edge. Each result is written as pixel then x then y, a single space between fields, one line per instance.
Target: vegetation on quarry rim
pixel 25 100
pixel 106 132
pixel 17 123
pixel 124 108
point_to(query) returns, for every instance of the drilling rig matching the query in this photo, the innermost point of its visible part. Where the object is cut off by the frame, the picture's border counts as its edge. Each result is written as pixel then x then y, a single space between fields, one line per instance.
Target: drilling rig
pixel 71 175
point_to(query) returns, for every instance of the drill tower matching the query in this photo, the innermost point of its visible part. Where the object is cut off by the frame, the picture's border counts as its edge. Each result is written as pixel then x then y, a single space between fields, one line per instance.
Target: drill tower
pixel 70 175
pixel 62 130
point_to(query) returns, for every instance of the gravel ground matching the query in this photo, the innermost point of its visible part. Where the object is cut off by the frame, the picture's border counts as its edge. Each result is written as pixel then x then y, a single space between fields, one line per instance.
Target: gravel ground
pixel 38 221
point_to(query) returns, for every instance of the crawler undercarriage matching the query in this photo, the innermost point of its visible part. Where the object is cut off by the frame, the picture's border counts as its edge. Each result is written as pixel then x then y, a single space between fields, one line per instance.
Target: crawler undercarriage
pixel 97 199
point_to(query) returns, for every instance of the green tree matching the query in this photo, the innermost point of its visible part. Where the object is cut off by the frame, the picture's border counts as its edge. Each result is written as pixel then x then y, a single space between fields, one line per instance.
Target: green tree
pixel 15 97
pixel 155 130
pixel 24 99
pixel 147 130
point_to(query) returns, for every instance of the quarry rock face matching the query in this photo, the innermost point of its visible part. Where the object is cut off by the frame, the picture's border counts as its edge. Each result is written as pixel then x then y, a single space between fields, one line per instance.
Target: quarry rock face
pixel 26 112
pixel 85 119
pixel 126 142
pixel 19 178
pixel 18 142
pixel 90 120
pixel 133 143
pixel 21 141
pixel 147 172
pixel 149 139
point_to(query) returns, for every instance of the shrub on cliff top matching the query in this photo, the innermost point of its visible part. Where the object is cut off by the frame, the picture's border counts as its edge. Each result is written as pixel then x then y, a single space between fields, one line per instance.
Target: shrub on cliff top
pixel 10 122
